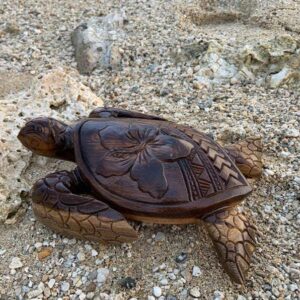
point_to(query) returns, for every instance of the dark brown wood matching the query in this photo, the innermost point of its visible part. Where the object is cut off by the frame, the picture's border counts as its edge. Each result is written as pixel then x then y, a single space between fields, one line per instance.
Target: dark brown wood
pixel 147 169
pixel 111 112
pixel 57 205
pixel 156 168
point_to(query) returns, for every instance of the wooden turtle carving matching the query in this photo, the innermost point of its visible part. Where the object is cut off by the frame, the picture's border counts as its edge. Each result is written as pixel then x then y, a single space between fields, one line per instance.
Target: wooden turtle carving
pixel 145 168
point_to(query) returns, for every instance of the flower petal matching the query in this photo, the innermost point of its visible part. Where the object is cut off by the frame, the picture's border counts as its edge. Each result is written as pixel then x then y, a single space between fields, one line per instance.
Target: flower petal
pixel 149 174
pixel 142 133
pixel 116 137
pixel 168 148
pixel 115 162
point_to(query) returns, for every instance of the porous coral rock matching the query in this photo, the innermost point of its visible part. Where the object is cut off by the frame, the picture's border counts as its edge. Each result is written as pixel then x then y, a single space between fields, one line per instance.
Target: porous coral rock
pixel 57 94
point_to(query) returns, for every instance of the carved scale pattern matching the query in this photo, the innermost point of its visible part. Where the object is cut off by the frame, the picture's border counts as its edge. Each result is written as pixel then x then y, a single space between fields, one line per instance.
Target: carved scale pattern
pixel 247 155
pixel 81 216
pixel 234 238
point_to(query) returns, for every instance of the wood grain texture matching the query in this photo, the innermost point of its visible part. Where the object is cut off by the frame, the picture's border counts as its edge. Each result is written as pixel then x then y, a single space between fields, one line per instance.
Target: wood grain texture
pixel 156 168
pixel 247 156
pixel 234 239
pixel 147 169
pixel 57 206
pixel 110 112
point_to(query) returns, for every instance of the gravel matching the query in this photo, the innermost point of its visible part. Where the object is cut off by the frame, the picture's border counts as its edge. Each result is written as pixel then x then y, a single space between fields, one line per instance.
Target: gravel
pixel 35 40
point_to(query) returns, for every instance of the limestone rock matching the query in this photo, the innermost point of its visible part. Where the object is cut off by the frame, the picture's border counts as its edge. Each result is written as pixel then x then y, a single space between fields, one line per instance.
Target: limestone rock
pixel 271 63
pixel 96 42
pixel 57 94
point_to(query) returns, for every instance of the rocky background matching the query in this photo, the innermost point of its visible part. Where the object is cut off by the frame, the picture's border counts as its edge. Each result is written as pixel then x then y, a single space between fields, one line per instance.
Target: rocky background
pixel 228 68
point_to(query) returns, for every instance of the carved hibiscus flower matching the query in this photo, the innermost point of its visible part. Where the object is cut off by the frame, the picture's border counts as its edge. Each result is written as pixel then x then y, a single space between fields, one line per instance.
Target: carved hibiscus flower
pixel 141 150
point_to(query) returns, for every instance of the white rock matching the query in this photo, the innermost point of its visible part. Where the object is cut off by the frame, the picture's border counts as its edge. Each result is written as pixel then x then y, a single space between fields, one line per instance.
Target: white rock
pixel 293 287
pixel 164 281
pixel 35 293
pixel 82 296
pixel 51 283
pixel 15 263
pixel 195 292
pixel 90 295
pixel 94 253
pixel 104 296
pixel 102 275
pixel 95 42
pixel 81 256
pixel 269 172
pixel 160 236
pixel 65 286
pixel 297 179
pixel 196 271
pixel 292 132
pixel 219 295
pixel 157 291
pixel 38 245
pixel 151 298
pixel 268 209
pixel 57 94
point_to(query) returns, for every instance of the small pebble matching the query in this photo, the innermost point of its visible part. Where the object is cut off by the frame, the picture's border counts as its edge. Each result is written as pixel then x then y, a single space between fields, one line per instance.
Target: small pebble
pixel 195 292
pixel 81 256
pixel 45 252
pixel 293 287
pixel 181 258
pixel 51 283
pixel 196 271
pixel 65 286
pixel 128 283
pixel 102 275
pixel 15 263
pixel 160 236
pixel 104 296
pixel 164 281
pixel 157 291
pixel 171 297
pixel 218 295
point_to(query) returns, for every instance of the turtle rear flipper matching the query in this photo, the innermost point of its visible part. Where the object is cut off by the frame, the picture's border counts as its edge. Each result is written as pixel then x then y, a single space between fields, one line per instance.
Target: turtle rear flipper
pixel 57 205
pixel 247 156
pixel 234 238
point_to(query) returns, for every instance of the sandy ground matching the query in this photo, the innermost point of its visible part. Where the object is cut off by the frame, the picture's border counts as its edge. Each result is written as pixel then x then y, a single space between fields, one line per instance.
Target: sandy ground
pixel 39 40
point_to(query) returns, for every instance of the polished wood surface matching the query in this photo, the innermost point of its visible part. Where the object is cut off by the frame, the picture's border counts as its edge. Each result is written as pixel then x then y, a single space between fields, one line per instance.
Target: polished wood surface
pixel 144 168
pixel 156 168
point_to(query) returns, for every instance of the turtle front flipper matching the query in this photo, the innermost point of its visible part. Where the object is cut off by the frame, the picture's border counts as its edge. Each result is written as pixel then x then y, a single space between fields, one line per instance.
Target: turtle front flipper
pixel 111 112
pixel 247 156
pixel 234 239
pixel 57 203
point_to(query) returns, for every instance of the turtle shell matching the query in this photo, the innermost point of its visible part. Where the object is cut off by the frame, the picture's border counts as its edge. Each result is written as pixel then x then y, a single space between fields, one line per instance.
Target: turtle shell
pixel 156 168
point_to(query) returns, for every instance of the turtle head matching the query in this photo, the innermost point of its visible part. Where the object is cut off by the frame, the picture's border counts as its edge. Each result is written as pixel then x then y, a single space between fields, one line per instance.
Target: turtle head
pixel 47 137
